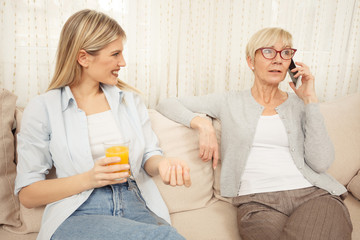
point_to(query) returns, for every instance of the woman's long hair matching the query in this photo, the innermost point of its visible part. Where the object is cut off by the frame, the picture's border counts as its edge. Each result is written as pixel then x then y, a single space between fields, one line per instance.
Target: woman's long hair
pixel 88 30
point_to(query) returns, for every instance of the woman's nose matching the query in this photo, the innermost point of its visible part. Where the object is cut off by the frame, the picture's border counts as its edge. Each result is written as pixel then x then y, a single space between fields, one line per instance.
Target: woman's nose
pixel 122 63
pixel 277 59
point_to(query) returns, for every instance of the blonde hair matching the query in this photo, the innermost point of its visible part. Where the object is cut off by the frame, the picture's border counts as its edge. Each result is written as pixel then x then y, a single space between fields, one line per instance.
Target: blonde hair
pixel 267 37
pixel 88 30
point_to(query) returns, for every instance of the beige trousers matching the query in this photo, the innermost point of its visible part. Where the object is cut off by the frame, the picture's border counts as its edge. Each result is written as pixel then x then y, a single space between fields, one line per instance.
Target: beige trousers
pixel 308 214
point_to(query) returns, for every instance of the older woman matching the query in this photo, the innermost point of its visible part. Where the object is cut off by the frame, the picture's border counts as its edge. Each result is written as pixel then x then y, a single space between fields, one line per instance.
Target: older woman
pixel 274 148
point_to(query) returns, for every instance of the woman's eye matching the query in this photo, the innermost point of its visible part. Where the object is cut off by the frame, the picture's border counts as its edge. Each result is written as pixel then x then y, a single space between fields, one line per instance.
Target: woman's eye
pixel 287 52
pixel 115 54
pixel 268 51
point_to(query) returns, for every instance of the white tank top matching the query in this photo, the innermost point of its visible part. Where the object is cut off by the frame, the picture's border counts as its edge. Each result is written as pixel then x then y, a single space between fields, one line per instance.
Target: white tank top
pixel 270 166
pixel 102 128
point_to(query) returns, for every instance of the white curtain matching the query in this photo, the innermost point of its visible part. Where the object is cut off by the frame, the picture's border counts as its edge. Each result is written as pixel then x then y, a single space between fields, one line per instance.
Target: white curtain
pixel 186 47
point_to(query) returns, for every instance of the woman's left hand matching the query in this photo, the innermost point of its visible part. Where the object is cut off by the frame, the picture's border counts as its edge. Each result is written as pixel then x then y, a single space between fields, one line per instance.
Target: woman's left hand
pixel 306 91
pixel 174 172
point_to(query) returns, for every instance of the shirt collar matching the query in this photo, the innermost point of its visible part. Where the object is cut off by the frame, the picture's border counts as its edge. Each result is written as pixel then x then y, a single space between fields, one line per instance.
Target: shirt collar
pixel 66 97
pixel 113 94
pixel 110 91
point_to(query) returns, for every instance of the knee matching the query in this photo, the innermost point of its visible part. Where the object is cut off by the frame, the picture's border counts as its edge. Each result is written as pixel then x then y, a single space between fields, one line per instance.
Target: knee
pixel 335 207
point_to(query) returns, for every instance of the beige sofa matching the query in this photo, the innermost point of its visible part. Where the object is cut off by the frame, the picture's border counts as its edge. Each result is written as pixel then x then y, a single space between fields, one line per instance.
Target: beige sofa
pixel 197 212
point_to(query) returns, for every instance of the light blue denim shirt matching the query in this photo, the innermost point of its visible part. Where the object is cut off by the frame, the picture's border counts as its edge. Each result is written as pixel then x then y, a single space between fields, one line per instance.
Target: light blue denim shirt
pixel 54 132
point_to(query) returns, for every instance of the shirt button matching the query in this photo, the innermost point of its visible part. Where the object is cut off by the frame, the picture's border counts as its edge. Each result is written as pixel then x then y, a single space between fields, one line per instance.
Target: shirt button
pixel 293 149
pixel 333 192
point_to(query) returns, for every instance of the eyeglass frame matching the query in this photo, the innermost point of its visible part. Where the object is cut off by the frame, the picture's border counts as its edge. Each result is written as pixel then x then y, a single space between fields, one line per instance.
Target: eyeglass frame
pixel 261 50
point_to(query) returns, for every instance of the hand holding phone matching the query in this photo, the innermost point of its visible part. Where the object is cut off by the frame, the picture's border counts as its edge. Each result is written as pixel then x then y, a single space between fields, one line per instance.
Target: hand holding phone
pixel 292 66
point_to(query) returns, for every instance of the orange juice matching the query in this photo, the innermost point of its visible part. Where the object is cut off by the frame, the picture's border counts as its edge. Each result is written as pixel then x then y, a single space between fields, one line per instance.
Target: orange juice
pixel 119 151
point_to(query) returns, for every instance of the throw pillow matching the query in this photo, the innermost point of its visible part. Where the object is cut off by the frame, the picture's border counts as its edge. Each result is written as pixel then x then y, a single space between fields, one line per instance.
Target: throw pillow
pixel 342 118
pixel 181 142
pixel 9 203
pixel 354 186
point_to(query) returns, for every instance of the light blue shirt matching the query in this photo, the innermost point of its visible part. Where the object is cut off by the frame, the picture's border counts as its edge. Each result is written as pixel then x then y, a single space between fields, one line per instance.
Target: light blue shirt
pixel 54 132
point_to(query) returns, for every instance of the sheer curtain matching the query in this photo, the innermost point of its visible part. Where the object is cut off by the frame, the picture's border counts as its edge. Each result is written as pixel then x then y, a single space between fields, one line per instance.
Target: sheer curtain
pixel 186 47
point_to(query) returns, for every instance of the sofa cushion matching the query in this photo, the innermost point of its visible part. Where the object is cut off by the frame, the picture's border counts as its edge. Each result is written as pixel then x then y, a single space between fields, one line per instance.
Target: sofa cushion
pixel 217 221
pixel 354 186
pixel 9 206
pixel 30 220
pixel 342 119
pixel 181 142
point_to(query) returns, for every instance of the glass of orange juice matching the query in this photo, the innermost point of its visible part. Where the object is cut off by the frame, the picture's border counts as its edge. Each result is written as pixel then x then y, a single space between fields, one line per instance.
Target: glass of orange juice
pixel 118 149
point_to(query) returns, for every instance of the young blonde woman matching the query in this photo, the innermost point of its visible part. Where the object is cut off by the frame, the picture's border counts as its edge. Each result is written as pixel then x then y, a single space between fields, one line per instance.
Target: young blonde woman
pixel 274 148
pixel 86 105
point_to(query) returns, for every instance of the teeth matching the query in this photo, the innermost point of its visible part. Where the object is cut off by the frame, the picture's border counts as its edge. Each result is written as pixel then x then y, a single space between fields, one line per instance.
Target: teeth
pixel 115 72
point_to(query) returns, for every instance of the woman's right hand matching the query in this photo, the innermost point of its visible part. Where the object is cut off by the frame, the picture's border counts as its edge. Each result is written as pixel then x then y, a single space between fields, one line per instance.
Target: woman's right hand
pixel 50 190
pixel 208 145
pixel 103 173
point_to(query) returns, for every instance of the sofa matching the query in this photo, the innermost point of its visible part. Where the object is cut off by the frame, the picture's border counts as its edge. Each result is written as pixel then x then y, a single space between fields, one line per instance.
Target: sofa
pixel 198 212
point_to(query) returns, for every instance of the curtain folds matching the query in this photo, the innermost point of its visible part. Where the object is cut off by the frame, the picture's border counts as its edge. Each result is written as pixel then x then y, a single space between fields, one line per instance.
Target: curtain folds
pixel 186 47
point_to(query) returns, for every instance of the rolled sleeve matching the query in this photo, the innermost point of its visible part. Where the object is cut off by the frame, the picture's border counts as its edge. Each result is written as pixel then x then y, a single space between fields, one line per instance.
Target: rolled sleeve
pixel 151 141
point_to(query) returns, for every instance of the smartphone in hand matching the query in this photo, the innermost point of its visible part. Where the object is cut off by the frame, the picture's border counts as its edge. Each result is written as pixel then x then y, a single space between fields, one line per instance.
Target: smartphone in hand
pixel 292 66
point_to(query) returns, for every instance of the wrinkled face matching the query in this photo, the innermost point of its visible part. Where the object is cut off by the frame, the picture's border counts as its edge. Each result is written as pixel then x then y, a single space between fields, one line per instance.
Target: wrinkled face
pixel 105 66
pixel 270 72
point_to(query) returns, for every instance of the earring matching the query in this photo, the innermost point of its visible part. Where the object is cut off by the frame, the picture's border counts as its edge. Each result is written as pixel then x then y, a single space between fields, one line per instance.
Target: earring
pixel 252 68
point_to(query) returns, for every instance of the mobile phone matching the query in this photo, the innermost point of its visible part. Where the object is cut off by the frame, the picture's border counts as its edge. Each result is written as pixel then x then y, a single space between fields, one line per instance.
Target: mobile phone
pixel 292 66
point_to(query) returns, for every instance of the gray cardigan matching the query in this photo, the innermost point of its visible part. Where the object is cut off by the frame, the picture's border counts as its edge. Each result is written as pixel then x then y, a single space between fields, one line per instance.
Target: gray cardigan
pixel 310 146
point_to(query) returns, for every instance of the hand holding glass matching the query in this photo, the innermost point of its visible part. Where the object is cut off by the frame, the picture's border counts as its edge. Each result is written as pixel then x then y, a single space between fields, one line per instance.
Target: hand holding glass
pixel 118 149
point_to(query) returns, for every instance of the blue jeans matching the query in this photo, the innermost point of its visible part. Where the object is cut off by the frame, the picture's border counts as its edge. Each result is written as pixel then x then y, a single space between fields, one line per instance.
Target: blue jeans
pixel 115 212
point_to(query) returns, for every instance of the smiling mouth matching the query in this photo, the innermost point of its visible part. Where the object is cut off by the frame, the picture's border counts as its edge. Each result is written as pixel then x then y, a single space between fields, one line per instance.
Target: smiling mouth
pixel 115 73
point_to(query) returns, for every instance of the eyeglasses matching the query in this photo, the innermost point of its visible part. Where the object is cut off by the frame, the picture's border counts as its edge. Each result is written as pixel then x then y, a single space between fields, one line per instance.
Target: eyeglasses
pixel 270 53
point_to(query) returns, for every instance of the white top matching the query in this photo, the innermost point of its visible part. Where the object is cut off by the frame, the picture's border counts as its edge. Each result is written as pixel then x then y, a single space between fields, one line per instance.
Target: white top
pixel 102 128
pixel 270 166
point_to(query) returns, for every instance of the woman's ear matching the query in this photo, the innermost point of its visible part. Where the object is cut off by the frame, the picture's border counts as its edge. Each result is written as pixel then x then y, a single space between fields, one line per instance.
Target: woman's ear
pixel 83 58
pixel 250 63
